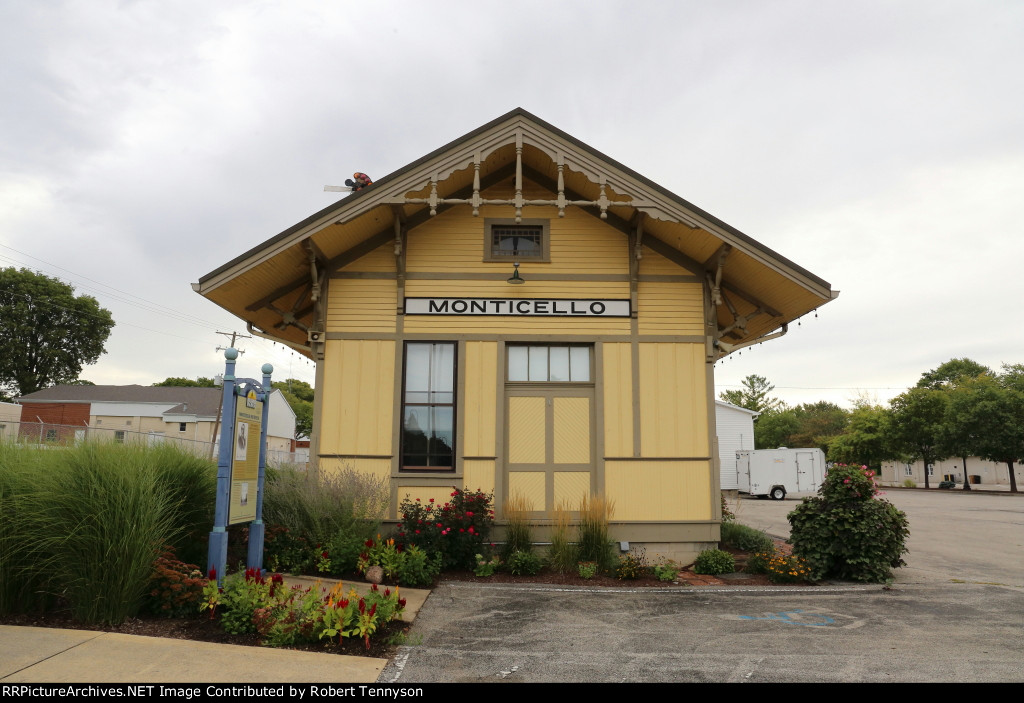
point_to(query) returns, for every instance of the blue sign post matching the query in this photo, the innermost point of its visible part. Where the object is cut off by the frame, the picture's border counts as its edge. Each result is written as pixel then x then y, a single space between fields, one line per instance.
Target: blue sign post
pixel 241 401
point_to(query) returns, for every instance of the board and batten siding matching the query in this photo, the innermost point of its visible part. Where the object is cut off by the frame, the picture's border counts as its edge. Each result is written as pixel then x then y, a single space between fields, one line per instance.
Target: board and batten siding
pixel 358 414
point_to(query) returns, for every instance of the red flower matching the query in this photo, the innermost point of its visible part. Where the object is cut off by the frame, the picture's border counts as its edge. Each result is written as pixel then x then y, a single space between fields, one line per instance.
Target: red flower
pixel 213 573
pixel 387 592
pixel 470 529
pixel 373 587
pixel 324 554
pixel 401 602
pixel 369 543
pixel 431 500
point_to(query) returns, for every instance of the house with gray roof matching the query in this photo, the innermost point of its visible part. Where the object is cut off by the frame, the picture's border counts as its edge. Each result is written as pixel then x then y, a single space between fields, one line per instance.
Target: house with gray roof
pixel 186 415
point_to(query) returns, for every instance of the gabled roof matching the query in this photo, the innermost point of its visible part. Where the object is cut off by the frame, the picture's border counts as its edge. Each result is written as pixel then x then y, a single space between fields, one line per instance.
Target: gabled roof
pixel 756 289
pixel 730 406
pixel 195 397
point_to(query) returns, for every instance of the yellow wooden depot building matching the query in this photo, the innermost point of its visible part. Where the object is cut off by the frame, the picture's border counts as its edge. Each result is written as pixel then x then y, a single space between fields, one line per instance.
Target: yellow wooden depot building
pixel 517 312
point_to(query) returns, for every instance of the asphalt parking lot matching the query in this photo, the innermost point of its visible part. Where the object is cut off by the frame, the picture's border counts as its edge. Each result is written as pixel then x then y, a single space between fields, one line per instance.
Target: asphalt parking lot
pixel 955 614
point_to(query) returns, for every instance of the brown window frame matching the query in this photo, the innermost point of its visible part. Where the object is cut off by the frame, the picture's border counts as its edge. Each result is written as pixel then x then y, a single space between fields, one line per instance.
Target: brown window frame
pixel 402 465
pixel 491 222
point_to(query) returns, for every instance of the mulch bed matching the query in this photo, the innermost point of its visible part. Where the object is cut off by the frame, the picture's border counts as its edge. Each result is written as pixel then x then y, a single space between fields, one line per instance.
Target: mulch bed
pixel 203 629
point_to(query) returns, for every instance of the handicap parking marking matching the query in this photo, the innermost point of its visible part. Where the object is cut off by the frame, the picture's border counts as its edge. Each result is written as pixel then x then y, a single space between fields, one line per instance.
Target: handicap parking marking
pixel 804 619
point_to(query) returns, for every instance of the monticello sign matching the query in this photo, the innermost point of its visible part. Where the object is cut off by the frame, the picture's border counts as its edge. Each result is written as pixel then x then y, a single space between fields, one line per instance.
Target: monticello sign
pixel 517 307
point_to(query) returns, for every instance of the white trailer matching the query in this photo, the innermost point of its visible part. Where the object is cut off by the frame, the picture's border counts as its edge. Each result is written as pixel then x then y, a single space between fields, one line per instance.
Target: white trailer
pixel 776 472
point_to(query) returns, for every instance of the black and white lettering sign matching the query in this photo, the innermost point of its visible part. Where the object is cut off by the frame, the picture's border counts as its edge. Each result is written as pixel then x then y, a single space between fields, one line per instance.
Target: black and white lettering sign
pixel 542 307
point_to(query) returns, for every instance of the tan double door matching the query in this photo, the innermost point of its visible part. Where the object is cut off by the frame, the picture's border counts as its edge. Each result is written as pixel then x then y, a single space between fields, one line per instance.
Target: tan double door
pixel 549 445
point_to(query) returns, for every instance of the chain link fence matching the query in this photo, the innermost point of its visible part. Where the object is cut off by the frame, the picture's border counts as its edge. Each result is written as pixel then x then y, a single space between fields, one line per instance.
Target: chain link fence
pixel 52 435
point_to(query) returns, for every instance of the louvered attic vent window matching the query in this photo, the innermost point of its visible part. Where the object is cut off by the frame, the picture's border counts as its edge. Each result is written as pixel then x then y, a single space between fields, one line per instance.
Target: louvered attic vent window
pixel 508 241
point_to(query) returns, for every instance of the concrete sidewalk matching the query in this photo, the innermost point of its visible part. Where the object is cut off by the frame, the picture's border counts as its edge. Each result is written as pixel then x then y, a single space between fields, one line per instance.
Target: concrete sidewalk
pixel 39 654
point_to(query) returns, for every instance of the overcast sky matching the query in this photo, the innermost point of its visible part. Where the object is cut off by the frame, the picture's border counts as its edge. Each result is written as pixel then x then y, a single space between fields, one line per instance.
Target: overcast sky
pixel 878 144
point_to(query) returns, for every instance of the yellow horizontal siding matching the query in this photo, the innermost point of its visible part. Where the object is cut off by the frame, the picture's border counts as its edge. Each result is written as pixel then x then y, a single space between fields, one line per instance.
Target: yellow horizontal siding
pixel 380 259
pixel 673 400
pixel 456 241
pixel 654 264
pixel 357 415
pixel 479 412
pixel 361 305
pixel 659 490
pixel 618 399
pixel 670 308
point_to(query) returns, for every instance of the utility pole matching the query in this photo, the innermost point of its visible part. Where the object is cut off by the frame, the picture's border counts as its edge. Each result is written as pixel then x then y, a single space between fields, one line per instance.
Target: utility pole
pixel 216 424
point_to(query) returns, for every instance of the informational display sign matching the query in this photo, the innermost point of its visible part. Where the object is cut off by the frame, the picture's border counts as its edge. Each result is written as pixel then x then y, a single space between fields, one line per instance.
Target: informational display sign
pixel 245 462
pixel 518 307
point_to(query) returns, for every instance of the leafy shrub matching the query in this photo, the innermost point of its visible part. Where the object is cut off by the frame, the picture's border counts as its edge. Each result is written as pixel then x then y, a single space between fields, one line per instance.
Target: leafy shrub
pixel 563 555
pixel 176 588
pixel 746 538
pixel 285 551
pixel 757 563
pixel 587 569
pixel 909 483
pixel 666 571
pixel 518 533
pixel 947 484
pixel 714 562
pixel 486 567
pixel 457 530
pixel 522 563
pixel 417 568
pixel 847 532
pixel 595 542
pixel 383 553
pixel 632 565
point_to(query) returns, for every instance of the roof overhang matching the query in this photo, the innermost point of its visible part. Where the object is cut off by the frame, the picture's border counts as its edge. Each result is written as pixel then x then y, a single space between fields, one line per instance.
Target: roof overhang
pixel 754 291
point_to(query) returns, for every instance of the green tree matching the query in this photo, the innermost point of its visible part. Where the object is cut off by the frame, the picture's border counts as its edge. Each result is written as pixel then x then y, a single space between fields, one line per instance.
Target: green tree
pixel 47 333
pixel 1013 377
pixel 991 414
pixel 917 419
pixel 180 381
pixel 754 395
pixel 299 395
pixel 865 439
pixel 773 429
pixel 949 373
pixel 818 424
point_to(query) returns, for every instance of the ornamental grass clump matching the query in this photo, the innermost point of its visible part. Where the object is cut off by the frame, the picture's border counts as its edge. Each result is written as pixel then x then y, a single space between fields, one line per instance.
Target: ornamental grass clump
pixel 847 532
pixel 563 555
pixel 745 538
pixel 595 543
pixel 310 513
pixel 518 532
